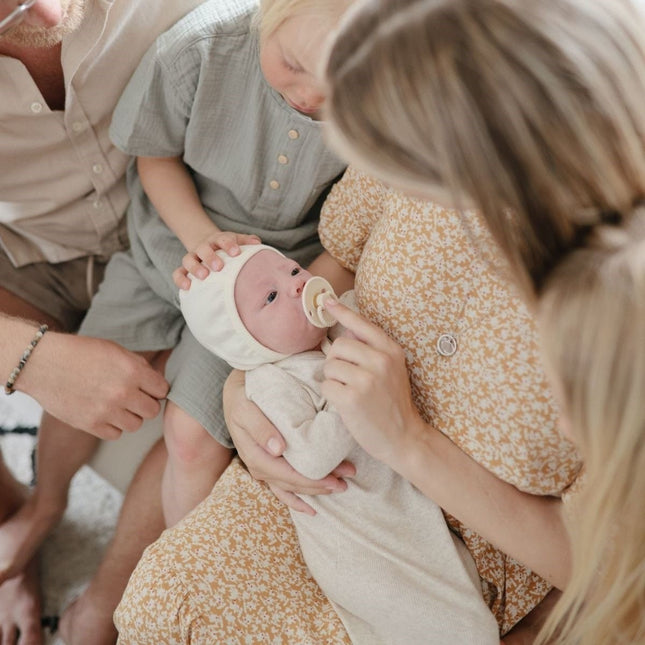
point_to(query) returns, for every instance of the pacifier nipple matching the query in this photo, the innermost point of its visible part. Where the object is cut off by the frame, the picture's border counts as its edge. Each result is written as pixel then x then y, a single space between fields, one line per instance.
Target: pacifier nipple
pixel 314 294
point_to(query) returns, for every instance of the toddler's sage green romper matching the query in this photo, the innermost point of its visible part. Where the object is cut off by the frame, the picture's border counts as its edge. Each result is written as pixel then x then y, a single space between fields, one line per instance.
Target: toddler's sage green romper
pixel 259 167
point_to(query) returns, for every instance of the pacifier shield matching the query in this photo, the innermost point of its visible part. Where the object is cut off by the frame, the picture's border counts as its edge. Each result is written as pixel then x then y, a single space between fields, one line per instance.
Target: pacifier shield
pixel 314 294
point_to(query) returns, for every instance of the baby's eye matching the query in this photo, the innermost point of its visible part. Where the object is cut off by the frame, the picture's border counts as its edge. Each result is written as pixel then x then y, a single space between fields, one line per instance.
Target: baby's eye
pixel 271 297
pixel 295 271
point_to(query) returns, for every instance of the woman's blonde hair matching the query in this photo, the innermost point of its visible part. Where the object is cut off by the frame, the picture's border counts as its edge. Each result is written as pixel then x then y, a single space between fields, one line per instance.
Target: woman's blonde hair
pixel 272 13
pixel 592 320
pixel 534 111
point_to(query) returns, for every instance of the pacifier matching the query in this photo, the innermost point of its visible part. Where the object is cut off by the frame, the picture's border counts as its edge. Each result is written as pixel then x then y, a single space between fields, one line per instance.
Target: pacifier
pixel 314 294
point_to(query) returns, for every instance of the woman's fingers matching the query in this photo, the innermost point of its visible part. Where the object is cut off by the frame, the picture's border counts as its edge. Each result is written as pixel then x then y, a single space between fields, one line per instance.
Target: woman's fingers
pixel 278 472
pixel 362 328
pixel 344 469
pixel 291 500
pixel 259 445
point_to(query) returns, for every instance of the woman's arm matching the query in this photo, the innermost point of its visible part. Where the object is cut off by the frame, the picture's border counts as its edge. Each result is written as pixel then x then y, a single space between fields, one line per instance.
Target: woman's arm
pixel 260 446
pixel 529 528
pixel 367 382
pixel 317 441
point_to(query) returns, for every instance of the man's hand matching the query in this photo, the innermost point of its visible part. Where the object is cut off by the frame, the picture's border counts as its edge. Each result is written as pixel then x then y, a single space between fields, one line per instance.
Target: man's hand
pixel 94 385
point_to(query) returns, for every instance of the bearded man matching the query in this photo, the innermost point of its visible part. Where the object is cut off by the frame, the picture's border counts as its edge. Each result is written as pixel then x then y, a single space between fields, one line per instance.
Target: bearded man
pixel 63 65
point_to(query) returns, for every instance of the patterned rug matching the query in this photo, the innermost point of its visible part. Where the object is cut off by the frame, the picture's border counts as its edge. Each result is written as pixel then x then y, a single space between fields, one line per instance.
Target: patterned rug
pixel 73 551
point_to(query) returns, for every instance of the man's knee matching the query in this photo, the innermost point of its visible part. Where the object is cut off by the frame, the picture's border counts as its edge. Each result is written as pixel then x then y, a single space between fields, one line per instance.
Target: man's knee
pixel 57 294
pixel 13 305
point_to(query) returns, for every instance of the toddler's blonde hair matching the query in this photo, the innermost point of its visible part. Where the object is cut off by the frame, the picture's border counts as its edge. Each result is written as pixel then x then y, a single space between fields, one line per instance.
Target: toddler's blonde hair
pixel 272 13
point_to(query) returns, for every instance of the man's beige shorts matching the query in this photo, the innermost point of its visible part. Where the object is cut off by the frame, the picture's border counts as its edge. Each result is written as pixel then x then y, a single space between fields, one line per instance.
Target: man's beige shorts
pixel 61 290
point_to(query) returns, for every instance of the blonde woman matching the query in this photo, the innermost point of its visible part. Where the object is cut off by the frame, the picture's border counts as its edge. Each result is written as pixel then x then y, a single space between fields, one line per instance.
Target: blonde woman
pixel 592 318
pixel 434 282
pixel 533 113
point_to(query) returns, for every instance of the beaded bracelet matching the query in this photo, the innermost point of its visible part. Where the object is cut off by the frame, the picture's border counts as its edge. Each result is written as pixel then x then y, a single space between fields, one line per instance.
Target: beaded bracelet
pixel 8 388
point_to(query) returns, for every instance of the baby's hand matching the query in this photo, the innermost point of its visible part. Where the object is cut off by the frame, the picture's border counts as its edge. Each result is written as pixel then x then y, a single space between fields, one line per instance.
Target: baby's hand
pixel 204 259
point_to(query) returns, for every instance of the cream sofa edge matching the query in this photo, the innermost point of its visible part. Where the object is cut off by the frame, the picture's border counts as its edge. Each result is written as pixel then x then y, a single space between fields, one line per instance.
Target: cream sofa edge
pixel 117 461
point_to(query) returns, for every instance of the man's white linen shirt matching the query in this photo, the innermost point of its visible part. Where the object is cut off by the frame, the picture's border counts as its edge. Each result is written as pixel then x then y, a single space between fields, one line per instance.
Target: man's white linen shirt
pixel 62 182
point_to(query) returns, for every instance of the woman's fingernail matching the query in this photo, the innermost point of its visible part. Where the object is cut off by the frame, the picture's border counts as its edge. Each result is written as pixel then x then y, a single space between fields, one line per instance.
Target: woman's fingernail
pixel 273 445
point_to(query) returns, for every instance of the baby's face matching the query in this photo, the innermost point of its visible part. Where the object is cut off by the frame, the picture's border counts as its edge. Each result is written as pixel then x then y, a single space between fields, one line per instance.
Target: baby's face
pixel 268 296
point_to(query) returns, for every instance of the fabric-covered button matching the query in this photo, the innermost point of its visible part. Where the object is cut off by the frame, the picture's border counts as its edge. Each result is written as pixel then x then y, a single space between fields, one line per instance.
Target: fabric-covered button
pixel 293 134
pixel 274 184
pixel 447 345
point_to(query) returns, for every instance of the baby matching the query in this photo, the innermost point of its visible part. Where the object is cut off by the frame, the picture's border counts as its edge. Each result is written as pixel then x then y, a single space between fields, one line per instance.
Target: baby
pixel 381 551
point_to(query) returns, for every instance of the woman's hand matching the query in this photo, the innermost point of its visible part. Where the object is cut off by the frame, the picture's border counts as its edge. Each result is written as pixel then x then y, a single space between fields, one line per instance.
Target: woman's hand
pixel 367 382
pixel 203 258
pixel 260 447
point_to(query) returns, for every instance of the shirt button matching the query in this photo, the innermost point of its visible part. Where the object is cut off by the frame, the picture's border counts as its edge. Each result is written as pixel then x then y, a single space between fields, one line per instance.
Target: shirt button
pixel 97 204
pixel 78 126
pixel 36 107
pixel 97 168
pixel 447 345
pixel 293 134
pixel 283 159
pixel 274 184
